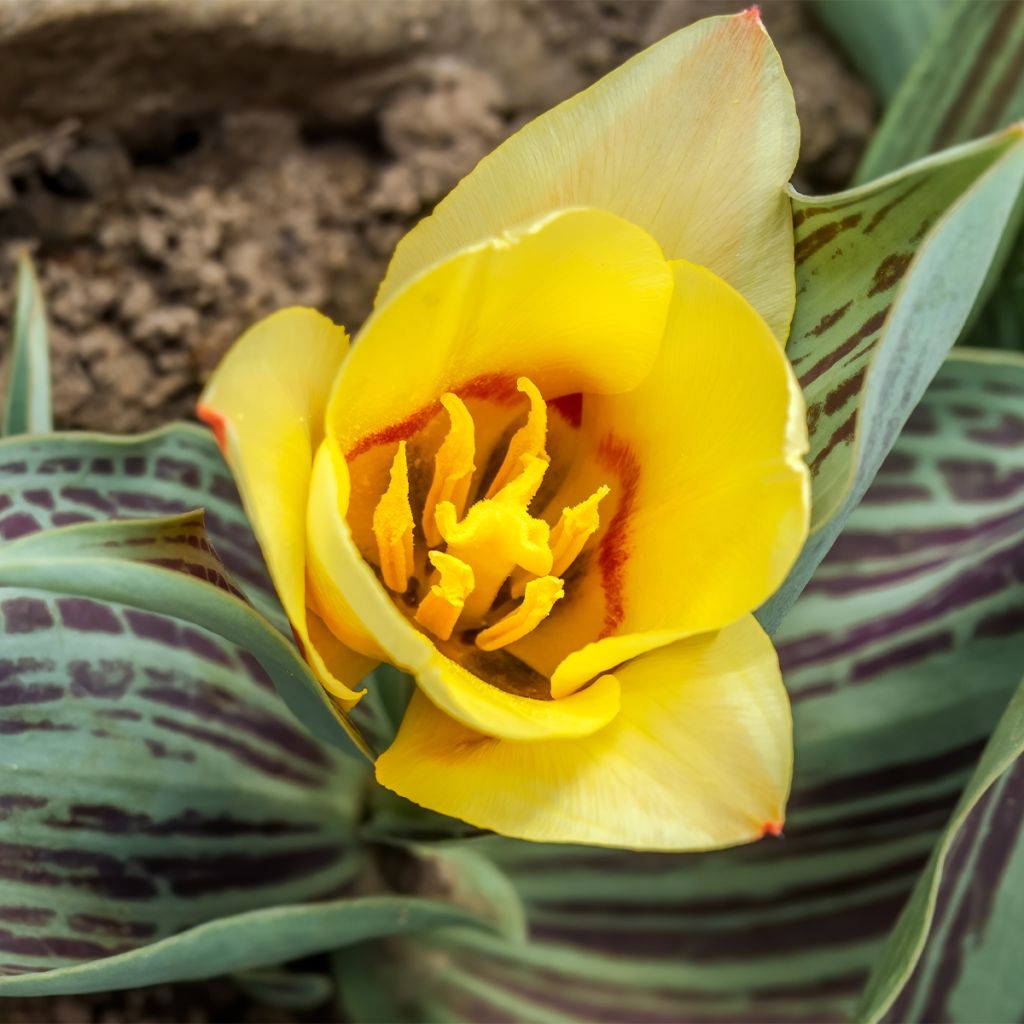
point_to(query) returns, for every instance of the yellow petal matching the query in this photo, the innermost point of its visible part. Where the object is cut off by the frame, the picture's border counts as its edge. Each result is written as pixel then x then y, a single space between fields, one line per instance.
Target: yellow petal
pixel 700 756
pixel 338 567
pixel 266 404
pixel 576 301
pixel 709 500
pixel 693 139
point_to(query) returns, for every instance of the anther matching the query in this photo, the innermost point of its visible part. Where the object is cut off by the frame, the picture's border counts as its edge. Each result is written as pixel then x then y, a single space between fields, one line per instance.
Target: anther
pixel 577 525
pixel 443 604
pixel 393 526
pixel 453 467
pixel 568 537
pixel 538 600
pixel 527 440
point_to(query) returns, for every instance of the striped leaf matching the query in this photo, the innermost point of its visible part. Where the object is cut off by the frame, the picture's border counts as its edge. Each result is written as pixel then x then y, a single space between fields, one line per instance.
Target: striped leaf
pixel 900 657
pixel 954 955
pixel 886 277
pixel 65 480
pixel 27 408
pixel 152 780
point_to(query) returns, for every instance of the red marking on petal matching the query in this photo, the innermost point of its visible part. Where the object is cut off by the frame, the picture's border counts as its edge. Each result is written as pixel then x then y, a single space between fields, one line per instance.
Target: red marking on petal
pixel 569 407
pixel 771 828
pixel 613 553
pixel 494 387
pixel 753 13
pixel 216 422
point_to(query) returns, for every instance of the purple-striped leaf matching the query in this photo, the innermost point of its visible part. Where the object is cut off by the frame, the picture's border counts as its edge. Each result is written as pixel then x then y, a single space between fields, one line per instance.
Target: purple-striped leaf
pixel 151 780
pixel 954 954
pixel 886 277
pixel 61 480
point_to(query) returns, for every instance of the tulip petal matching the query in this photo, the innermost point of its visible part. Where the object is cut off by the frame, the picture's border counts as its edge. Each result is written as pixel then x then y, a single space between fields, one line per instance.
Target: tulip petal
pixel 265 403
pixel 337 568
pixel 699 757
pixel 693 139
pixel 709 499
pixel 576 301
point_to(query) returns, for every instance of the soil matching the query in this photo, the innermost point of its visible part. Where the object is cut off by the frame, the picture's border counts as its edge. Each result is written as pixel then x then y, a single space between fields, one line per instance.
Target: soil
pixel 175 182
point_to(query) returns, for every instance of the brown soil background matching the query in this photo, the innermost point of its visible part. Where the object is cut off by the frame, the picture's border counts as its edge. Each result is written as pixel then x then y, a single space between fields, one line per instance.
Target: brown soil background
pixel 178 174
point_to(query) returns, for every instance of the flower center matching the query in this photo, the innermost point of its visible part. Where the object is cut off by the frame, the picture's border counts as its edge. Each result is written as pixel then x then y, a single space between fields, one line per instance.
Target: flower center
pixel 474 552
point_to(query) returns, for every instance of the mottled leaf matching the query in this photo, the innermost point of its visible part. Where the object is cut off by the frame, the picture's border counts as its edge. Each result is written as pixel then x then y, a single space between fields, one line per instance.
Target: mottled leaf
pixel 27 406
pixel 900 658
pixel 166 566
pixel 152 780
pixel 68 479
pixel 887 275
pixel 64 479
pixel 968 904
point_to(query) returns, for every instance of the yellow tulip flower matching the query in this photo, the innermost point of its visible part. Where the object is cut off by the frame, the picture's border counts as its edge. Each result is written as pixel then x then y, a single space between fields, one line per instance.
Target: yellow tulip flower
pixel 561 465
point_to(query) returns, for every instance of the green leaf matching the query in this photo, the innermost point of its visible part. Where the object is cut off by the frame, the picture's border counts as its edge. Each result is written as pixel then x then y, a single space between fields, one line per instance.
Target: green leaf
pixel 245 941
pixel 967 81
pixel 152 780
pixel 972 881
pixel 27 409
pixel 287 990
pixel 882 38
pixel 168 567
pixel 886 277
pixel 900 659
pixel 62 479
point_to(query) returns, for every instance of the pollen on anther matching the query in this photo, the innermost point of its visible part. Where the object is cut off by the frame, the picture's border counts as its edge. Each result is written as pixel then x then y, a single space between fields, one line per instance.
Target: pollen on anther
pixel 538 600
pixel 527 442
pixel 453 467
pixel 393 526
pixel 439 611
